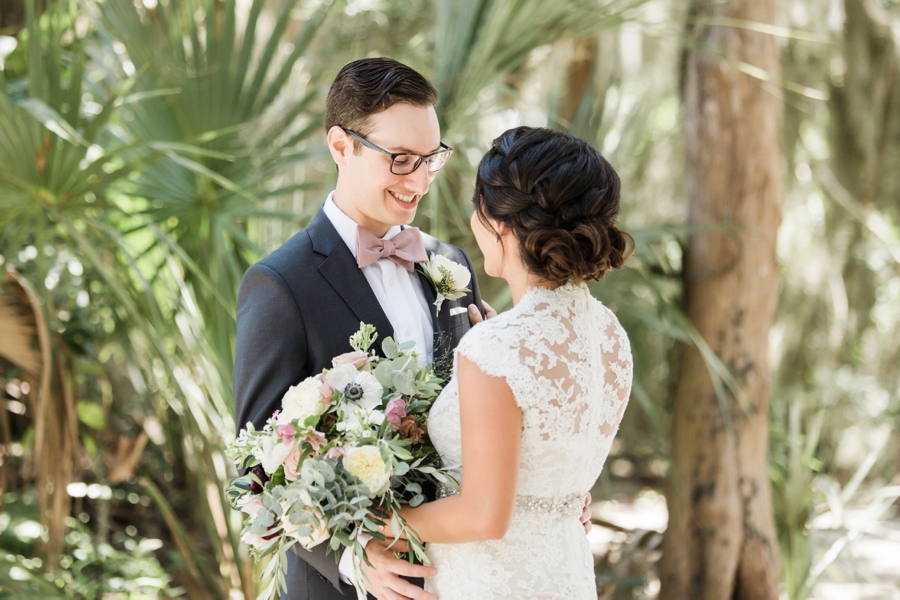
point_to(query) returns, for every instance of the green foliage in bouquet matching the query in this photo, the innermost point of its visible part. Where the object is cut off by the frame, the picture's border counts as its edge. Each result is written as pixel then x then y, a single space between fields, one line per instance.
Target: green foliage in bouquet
pixel 347 450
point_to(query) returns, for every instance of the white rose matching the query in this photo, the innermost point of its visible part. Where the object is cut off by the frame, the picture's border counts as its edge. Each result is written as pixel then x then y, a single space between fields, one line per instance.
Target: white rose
pixel 319 534
pixel 301 401
pixel 274 451
pixel 366 463
pixel 359 387
pixel 459 274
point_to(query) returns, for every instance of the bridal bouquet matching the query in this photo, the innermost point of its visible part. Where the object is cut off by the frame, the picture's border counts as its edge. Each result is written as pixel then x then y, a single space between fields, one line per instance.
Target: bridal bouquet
pixel 347 448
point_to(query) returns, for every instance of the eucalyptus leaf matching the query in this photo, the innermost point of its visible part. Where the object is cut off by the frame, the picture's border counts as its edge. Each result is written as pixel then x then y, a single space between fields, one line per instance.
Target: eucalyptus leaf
pixel 389 347
pixel 403 382
pixel 384 374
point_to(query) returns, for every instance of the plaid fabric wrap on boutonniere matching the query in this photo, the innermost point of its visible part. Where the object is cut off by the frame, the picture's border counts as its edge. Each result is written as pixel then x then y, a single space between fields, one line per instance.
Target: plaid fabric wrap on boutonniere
pixel 448 278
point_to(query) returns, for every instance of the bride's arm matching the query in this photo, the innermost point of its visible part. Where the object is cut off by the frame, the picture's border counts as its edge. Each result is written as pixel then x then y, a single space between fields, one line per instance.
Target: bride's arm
pixel 491 425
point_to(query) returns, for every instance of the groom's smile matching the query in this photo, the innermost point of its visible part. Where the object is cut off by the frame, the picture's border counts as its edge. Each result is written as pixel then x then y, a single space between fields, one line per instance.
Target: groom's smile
pixel 404 199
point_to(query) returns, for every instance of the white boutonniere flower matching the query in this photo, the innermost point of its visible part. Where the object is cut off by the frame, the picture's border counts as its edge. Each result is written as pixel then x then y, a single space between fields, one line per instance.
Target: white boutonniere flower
pixel 448 278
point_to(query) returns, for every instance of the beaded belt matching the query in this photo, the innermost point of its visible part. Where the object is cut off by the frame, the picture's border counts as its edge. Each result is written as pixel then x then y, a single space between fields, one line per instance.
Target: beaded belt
pixel 444 490
pixel 573 504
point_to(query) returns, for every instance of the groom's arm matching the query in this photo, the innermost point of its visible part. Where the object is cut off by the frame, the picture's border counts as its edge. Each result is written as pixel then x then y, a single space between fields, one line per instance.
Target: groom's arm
pixel 270 350
pixel 270 356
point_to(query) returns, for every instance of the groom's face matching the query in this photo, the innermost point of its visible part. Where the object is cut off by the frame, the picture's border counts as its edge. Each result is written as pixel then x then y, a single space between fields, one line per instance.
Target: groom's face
pixel 367 191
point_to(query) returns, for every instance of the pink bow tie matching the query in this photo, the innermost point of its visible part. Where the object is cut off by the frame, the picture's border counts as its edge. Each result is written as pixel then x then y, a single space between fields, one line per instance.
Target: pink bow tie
pixel 405 248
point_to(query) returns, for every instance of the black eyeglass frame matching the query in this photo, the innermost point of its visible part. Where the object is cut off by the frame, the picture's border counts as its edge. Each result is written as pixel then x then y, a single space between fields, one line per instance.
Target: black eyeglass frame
pixel 445 150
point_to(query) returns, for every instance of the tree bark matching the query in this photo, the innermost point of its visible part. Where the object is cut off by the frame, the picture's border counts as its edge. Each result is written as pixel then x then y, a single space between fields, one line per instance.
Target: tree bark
pixel 720 542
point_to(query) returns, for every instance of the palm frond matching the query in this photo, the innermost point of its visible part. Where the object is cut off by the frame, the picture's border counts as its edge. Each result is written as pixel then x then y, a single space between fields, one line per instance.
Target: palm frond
pixel 232 104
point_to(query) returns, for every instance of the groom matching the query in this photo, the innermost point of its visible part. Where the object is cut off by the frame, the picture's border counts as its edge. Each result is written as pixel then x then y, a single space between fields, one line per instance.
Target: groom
pixel 298 307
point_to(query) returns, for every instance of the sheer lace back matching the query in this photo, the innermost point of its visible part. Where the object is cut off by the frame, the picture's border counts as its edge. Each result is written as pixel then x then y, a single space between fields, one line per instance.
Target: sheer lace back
pixel 568 363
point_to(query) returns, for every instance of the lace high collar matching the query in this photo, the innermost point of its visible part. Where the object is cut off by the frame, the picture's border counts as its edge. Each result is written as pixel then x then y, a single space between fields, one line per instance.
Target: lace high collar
pixel 569 290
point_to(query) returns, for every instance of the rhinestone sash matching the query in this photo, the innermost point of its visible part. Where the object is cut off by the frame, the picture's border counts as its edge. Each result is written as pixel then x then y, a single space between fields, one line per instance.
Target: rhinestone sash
pixel 570 505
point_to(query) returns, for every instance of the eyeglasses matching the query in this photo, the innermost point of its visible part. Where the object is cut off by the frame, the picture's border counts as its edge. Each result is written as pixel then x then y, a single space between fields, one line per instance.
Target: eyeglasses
pixel 404 163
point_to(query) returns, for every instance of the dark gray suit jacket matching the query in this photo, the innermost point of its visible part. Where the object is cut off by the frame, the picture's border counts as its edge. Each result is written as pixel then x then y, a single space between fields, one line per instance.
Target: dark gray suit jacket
pixel 296 310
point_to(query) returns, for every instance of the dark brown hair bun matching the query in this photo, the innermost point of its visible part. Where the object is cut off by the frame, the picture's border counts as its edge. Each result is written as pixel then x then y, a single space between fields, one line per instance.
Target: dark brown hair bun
pixel 560 197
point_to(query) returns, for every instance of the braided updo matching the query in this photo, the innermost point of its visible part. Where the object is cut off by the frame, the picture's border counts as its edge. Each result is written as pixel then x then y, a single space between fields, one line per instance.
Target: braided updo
pixel 560 198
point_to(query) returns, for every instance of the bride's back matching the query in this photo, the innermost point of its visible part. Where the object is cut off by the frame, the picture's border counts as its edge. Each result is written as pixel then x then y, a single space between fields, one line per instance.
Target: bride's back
pixel 568 363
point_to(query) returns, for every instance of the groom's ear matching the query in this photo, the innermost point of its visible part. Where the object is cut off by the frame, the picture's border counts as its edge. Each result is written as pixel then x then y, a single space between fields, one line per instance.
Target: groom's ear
pixel 340 145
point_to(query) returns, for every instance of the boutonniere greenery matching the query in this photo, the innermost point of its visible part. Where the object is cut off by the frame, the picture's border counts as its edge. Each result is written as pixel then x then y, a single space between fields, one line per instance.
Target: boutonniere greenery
pixel 448 278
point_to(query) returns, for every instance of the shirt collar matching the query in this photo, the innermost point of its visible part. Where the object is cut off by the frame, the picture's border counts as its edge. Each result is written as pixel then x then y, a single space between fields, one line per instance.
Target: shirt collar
pixel 346 227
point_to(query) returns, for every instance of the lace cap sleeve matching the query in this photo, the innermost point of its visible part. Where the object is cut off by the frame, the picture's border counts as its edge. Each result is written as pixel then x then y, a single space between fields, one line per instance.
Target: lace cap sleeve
pixel 494 347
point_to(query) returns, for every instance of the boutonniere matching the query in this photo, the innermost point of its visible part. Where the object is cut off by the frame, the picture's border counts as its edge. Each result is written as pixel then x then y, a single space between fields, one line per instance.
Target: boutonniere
pixel 448 278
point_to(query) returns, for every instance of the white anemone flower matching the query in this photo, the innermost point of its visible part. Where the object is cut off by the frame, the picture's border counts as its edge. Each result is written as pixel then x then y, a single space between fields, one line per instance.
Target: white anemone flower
pixel 359 387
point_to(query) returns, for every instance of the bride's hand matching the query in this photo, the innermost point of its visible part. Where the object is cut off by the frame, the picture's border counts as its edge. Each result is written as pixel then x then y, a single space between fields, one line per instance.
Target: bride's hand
pixel 475 316
pixel 586 514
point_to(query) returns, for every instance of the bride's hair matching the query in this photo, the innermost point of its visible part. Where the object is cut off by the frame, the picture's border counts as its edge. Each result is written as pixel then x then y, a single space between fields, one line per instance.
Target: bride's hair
pixel 560 197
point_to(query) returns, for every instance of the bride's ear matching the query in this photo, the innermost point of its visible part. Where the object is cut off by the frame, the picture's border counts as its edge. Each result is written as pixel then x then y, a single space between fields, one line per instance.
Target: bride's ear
pixel 503 230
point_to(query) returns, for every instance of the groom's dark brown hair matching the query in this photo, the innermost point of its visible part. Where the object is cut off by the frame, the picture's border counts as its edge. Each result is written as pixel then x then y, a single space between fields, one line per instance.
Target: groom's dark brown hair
pixel 370 85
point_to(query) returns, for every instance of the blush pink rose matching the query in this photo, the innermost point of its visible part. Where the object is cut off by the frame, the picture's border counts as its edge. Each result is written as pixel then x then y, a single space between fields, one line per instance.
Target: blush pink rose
pixel 250 505
pixel 357 359
pixel 326 391
pixel 292 463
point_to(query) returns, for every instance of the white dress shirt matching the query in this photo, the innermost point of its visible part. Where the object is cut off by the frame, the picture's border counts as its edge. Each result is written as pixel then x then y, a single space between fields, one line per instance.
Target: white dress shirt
pixel 398 291
pixel 401 297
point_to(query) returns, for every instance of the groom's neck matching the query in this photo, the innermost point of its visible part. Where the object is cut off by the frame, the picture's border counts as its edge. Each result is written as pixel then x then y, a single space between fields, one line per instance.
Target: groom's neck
pixel 358 216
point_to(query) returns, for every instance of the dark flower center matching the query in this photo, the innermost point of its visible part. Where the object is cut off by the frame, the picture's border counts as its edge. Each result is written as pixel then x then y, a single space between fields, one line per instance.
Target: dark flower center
pixel 353 391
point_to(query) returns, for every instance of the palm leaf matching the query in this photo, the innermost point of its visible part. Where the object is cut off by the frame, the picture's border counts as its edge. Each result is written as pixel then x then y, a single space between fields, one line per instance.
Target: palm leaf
pixel 18 334
pixel 226 103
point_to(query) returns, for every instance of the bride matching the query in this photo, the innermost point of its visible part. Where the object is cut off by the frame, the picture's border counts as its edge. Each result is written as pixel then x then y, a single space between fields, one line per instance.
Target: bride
pixel 538 392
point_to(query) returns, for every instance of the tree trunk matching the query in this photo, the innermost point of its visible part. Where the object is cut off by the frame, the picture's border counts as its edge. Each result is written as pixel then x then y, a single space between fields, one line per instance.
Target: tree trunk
pixel 720 542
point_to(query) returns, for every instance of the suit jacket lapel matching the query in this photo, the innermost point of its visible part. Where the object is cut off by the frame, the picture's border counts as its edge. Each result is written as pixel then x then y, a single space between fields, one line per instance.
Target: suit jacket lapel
pixel 341 271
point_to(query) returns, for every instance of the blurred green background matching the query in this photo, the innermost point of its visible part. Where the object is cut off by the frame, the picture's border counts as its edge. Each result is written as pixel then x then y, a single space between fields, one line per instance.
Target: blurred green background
pixel 150 151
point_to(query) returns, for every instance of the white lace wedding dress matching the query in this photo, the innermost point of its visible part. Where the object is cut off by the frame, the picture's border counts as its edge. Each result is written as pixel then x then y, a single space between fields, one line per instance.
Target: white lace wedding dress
pixel 568 363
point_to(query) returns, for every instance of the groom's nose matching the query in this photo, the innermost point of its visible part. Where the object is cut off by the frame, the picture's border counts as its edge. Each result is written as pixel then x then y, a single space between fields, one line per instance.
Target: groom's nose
pixel 418 181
